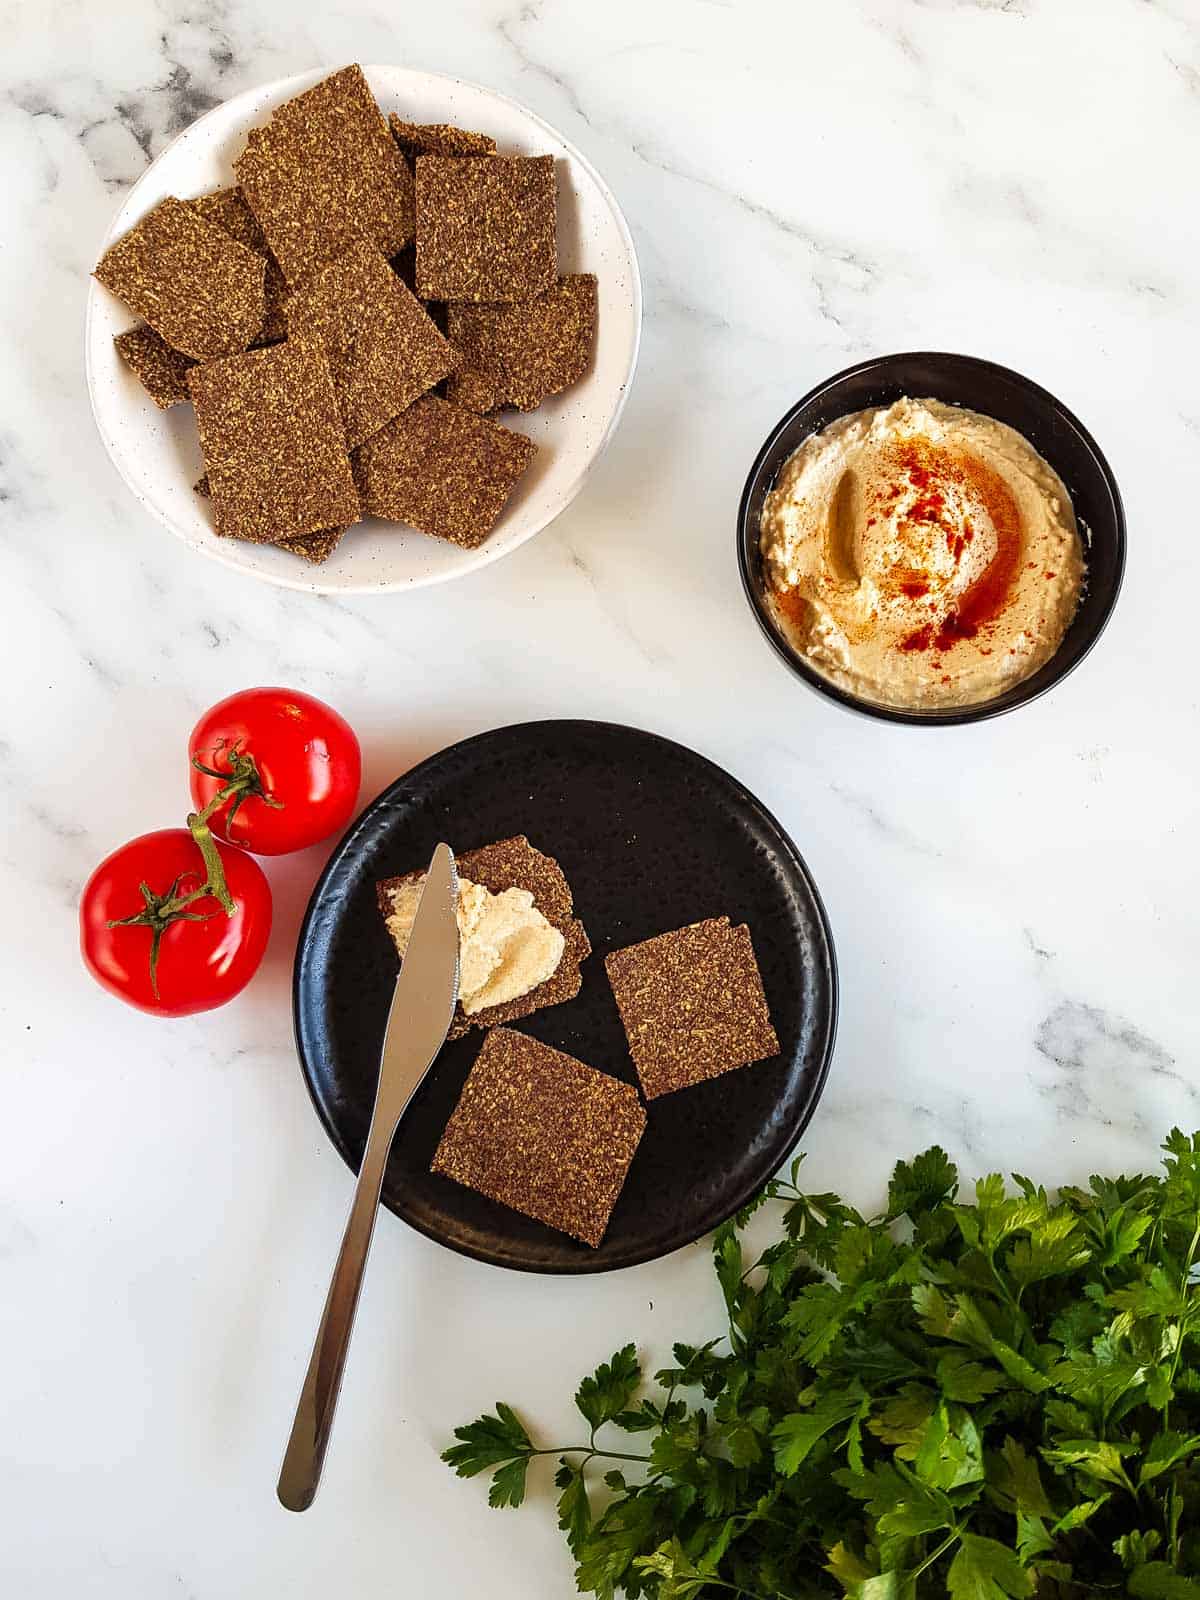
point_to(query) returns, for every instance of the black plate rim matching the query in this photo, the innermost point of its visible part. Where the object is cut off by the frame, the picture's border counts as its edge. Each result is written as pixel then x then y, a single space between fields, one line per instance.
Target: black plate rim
pixel 345 844
pixel 1021 694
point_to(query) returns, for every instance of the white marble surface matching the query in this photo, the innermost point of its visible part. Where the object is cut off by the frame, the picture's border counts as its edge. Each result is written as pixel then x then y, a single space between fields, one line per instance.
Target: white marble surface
pixel 1014 904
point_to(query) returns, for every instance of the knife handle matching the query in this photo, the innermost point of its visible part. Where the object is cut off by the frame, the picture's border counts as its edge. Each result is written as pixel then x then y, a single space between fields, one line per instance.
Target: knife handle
pixel 305 1453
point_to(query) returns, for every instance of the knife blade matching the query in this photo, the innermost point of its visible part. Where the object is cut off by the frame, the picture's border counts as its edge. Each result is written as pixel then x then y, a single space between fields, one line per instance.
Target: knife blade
pixel 426 993
pixel 419 1019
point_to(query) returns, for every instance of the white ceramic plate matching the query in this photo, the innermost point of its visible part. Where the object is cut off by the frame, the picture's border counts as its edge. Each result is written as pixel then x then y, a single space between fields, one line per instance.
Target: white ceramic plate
pixel 158 453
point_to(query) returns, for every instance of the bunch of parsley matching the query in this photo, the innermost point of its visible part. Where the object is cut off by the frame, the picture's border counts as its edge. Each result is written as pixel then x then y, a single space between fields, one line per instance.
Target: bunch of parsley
pixel 982 1399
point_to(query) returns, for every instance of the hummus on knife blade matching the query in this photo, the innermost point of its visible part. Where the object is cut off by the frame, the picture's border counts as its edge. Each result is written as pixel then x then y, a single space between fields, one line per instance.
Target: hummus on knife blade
pixel 919 555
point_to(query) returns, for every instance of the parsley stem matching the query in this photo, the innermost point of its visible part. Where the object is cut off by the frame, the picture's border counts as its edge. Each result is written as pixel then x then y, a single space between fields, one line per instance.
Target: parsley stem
pixel 746 1594
pixel 589 1451
pixel 1187 1273
pixel 935 1555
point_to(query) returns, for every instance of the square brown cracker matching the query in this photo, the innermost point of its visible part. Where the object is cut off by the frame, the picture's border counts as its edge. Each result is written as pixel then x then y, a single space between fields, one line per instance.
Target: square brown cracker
pixel 324 174
pixel 227 208
pixel 343 105
pixel 518 354
pixel 161 371
pixel 486 227
pixel 442 470
pixel 314 547
pixel 274 450
pixel 200 290
pixel 516 864
pixel 692 1005
pixel 383 350
pixel 541 1132
pixel 438 139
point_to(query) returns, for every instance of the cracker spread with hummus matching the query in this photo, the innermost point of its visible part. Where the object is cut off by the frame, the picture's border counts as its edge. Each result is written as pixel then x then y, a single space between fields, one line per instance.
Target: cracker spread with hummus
pixel 921 555
pixel 521 944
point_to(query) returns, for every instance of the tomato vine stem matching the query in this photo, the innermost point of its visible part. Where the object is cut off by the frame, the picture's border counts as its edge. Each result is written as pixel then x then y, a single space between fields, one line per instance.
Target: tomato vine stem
pixel 240 780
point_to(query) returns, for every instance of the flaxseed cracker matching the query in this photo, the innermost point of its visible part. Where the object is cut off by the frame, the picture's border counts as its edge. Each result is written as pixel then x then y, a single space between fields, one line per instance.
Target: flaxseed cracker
pixel 692 1005
pixel 516 864
pixel 198 288
pixel 343 101
pixel 438 139
pixel 274 450
pixel 383 350
pixel 324 174
pixel 227 208
pixel 305 211
pixel 161 371
pixel 519 354
pixel 314 547
pixel 442 470
pixel 486 227
pixel 541 1132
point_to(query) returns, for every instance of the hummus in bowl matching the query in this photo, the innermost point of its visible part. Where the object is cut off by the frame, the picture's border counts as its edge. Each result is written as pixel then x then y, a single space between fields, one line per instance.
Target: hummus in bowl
pixel 921 556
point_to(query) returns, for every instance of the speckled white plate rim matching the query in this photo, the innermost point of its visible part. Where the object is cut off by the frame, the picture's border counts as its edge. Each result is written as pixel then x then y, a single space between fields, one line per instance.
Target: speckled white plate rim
pixel 227 552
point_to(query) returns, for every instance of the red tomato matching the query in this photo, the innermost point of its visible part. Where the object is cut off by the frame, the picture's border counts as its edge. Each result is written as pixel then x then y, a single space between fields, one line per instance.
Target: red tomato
pixel 298 761
pixel 200 964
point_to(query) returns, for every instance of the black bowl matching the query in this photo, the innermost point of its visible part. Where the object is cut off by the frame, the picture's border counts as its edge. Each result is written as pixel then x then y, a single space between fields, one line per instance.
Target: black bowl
pixel 997 392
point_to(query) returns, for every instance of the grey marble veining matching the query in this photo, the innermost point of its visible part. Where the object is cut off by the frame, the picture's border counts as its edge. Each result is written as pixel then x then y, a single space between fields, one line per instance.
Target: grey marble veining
pixel 1014 904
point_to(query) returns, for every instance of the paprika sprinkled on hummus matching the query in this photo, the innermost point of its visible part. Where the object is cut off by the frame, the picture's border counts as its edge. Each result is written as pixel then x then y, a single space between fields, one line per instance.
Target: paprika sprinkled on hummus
pixel 921 555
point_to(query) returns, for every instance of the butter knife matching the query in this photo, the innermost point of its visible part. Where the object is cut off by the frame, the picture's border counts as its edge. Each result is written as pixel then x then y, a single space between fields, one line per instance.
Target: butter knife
pixel 419 1019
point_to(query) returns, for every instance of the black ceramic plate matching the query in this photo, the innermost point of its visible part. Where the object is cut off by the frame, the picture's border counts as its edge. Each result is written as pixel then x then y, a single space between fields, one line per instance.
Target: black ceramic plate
pixel 651 837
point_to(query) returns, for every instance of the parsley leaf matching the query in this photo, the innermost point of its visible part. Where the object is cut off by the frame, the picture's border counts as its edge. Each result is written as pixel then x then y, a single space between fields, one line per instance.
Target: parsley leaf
pixel 607 1393
pixel 574 1507
pixel 1016 1477
pixel 488 1443
pixel 1158 1581
pixel 796 1435
pixel 983 1569
pixel 921 1184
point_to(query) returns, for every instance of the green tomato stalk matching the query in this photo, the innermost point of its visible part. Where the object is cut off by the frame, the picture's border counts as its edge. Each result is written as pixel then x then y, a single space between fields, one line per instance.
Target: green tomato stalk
pixel 240 781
